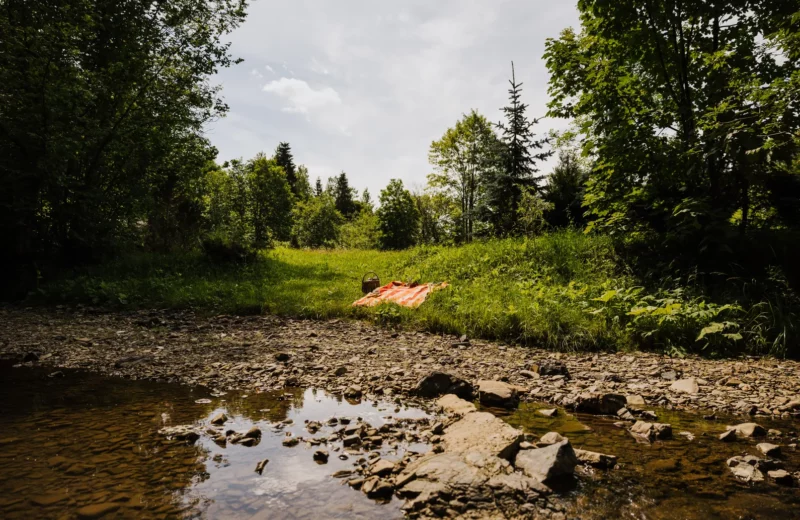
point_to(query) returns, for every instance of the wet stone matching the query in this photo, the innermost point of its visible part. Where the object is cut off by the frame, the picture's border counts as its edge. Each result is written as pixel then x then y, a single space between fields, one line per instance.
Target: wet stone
pixel 97 510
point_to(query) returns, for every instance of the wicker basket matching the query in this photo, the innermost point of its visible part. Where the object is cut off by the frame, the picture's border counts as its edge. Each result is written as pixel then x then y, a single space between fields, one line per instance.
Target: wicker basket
pixel 370 284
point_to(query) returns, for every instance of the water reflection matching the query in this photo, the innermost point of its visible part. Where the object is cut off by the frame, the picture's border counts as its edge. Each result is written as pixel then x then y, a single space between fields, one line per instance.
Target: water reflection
pixel 87 446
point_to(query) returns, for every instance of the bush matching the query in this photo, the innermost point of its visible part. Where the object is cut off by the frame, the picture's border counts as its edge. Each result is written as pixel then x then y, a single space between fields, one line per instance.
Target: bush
pixel 220 250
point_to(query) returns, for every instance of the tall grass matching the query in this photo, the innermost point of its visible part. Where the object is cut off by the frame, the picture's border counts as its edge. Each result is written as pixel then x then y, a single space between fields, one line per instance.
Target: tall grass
pixel 563 291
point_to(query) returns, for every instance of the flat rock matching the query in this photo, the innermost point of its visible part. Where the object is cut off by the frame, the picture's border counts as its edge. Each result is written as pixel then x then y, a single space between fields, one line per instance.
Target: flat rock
pixel 452 404
pixel 547 463
pixel 597 460
pixel 497 393
pixel 181 433
pixel 97 510
pixel 440 383
pixel 728 436
pixel 685 386
pixel 770 450
pixel 748 430
pixel 746 468
pixel 651 431
pixel 781 476
pixel 219 419
pixel 353 392
pixel 635 402
pixel 382 468
pixel 600 404
pixel 548 412
pixel 483 433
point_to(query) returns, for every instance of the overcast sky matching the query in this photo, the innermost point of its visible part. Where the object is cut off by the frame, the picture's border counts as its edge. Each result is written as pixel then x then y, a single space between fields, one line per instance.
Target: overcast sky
pixel 365 86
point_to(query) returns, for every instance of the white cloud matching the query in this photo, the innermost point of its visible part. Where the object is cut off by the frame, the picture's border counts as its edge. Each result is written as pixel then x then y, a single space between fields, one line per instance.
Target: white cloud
pixel 300 96
pixel 269 69
pixel 257 74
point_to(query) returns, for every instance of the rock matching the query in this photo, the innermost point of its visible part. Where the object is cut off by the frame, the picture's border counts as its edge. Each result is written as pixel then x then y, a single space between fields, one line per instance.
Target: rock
pixel 781 476
pixel 440 383
pixel 651 431
pixel 290 442
pixel 282 357
pixel 261 465
pixel 452 404
pixel 351 440
pixel 792 405
pixel 597 460
pixel 600 404
pixel 728 436
pixel 624 413
pixel 770 450
pixel 353 392
pixel 30 357
pixel 745 468
pixel 340 371
pixel 474 478
pixel 97 510
pixel 748 430
pixel 685 386
pixel 669 375
pixel 551 438
pixel 549 412
pixel 483 433
pixel 380 489
pixel 548 463
pixel 529 374
pixel 219 419
pixel 321 456
pixel 497 393
pixel 57 373
pixel 342 473
pixel 253 433
pixel 553 368
pixel 382 468
pixel 181 433
pixel 635 402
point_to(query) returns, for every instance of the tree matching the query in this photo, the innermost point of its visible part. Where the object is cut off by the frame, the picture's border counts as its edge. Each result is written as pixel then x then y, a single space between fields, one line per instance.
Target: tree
pixel 519 162
pixel 318 191
pixel 398 217
pixel 565 190
pixel 270 201
pixel 465 157
pixel 656 89
pixel 432 211
pixel 302 184
pixel 361 232
pixel 531 212
pixel 284 158
pixel 97 100
pixel 316 222
pixel 344 196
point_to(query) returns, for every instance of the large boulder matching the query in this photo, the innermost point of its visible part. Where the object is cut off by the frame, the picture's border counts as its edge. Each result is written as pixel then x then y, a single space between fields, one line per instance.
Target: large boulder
pixel 483 433
pixel 477 480
pixel 651 431
pixel 600 404
pixel 454 405
pixel 685 386
pixel 548 463
pixel 497 393
pixel 440 383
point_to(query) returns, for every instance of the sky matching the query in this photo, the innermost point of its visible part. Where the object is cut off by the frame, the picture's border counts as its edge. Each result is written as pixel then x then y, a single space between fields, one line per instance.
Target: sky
pixel 364 87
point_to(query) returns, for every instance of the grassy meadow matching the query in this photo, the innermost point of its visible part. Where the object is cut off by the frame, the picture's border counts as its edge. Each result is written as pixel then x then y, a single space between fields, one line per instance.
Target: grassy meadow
pixel 562 291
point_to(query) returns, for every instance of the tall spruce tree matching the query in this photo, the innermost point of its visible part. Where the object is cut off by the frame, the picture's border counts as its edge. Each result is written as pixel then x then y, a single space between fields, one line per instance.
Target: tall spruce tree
pixel 522 151
pixel 343 194
pixel 318 191
pixel 284 158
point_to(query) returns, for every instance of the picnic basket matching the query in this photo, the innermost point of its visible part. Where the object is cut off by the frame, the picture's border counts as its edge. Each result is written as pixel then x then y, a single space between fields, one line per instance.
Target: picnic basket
pixel 370 284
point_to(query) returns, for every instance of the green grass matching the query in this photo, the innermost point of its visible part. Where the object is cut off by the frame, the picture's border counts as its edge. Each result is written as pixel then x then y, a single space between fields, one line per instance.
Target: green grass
pixel 563 291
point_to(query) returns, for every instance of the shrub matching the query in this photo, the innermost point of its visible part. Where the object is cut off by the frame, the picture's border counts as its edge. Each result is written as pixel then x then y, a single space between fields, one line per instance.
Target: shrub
pixel 227 251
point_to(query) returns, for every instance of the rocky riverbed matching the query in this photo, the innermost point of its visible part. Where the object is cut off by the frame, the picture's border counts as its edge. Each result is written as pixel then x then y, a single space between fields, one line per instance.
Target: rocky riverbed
pixel 260 353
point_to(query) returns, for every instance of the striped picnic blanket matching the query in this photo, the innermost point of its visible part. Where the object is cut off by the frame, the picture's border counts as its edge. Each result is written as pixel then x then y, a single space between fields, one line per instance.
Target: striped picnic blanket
pixel 407 295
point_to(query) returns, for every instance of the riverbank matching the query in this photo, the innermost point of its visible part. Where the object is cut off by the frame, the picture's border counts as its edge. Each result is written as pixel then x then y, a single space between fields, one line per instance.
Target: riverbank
pixel 260 353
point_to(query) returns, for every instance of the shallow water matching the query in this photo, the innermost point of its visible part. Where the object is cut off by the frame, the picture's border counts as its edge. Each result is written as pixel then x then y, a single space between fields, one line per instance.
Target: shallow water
pixel 678 478
pixel 81 445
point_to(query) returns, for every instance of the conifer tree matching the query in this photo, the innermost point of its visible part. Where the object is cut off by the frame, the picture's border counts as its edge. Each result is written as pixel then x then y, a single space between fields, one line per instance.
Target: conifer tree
pixel 522 151
pixel 284 158
pixel 343 195
pixel 318 188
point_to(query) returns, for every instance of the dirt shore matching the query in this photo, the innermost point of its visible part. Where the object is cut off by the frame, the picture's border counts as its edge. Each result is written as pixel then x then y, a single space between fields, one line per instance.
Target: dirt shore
pixel 267 352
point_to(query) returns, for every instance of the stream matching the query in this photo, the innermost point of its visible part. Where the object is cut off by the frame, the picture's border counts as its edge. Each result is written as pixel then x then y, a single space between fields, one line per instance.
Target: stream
pixel 79 445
